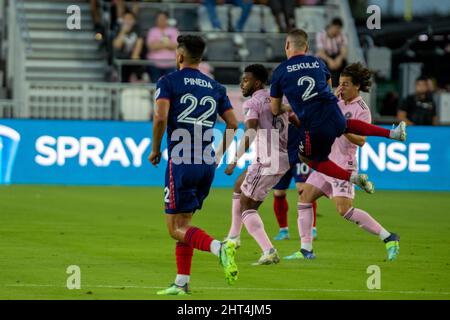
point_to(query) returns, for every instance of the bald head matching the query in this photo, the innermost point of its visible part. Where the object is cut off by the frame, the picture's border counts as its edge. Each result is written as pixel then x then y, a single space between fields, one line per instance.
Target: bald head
pixel 296 42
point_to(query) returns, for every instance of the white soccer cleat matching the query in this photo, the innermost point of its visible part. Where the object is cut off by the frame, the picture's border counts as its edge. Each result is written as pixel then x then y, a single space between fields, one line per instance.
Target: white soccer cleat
pixel 399 133
pixel 362 181
pixel 270 257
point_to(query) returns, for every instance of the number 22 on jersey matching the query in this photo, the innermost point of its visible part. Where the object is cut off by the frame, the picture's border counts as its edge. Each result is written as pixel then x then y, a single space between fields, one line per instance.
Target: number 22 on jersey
pixel 185 116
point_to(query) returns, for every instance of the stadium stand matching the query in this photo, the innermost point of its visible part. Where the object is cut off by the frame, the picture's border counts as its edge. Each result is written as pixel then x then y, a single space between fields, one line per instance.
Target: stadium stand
pixel 56 52
pixel 57 73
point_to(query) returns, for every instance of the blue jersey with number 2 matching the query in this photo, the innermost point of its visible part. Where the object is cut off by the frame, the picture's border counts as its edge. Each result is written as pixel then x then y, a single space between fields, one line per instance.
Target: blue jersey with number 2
pixel 303 80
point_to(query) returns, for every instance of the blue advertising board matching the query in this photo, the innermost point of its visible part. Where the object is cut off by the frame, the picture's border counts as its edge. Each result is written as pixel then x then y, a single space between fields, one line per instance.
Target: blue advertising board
pixel 115 153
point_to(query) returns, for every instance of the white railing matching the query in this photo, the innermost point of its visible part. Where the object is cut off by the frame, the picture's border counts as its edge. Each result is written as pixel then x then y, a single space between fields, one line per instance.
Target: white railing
pixel 102 101
pixel 7 108
pixel 17 46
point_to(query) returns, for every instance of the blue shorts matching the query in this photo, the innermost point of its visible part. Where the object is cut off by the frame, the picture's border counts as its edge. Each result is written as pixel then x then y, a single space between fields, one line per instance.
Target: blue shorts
pixel 187 186
pixel 299 171
pixel 316 140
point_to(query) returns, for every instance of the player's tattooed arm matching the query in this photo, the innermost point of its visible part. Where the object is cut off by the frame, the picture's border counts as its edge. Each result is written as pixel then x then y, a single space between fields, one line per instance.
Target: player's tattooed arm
pixel 356 139
pixel 159 126
pixel 251 126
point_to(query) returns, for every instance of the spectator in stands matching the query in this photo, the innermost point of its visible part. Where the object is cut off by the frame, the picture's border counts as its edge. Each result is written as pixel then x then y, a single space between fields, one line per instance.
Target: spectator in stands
pixel 419 108
pixel 389 105
pixel 118 10
pixel 331 46
pixel 128 44
pixel 245 5
pixel 161 45
pixel 96 18
pixel 285 8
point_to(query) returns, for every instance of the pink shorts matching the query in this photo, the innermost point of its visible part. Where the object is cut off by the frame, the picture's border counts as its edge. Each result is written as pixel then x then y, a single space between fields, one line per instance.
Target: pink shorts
pixel 257 185
pixel 331 187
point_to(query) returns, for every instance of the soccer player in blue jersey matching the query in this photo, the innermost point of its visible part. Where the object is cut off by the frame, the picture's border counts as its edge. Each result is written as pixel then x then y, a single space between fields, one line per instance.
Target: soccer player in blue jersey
pixel 187 103
pixel 305 81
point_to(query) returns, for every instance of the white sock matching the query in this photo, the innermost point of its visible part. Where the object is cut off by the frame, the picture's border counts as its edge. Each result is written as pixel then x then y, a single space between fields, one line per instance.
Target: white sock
pixel 307 246
pixel 284 229
pixel 384 234
pixel 215 247
pixel 182 279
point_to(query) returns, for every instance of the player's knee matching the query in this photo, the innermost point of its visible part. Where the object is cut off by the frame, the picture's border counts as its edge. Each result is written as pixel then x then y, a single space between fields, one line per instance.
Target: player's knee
pixel 342 208
pixel 305 196
pixel 248 204
pixel 237 187
pixel 279 193
pixel 173 233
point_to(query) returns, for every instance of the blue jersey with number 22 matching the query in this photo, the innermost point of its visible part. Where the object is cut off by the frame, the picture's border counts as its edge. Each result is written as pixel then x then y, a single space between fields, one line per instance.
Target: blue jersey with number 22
pixel 195 101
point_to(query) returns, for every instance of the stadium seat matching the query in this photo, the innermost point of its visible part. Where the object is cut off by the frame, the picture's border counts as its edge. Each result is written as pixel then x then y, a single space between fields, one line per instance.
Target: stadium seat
pixel 135 104
pixel 311 18
pixel 186 19
pixel 221 50
pixel 258 49
pixel 277 49
pixel 227 75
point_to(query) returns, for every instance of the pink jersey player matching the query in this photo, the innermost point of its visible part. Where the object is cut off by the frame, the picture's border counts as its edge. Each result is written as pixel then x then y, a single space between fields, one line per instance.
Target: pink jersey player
pixel 271 161
pixel 354 79
pixel 269 165
pixel 343 153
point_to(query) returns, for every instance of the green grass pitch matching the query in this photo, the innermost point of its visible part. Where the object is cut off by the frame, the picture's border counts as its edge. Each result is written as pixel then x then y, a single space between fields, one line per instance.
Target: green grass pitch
pixel 117 236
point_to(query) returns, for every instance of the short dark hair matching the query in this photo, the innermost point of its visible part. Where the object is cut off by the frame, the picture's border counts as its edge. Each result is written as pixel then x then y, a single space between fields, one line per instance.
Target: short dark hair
pixel 360 75
pixel 337 22
pixel 422 78
pixel 194 45
pixel 166 13
pixel 128 11
pixel 259 72
pixel 299 37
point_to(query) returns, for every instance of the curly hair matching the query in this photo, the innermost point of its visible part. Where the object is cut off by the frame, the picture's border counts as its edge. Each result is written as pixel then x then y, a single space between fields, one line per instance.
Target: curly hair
pixel 360 75
pixel 259 72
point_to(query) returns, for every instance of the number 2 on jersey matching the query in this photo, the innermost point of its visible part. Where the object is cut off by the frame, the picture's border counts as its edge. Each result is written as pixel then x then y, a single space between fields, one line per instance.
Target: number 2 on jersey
pixel 308 92
pixel 201 120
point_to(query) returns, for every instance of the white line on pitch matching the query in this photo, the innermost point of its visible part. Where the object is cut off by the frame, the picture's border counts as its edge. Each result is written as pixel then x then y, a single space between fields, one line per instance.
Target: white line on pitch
pixel 237 288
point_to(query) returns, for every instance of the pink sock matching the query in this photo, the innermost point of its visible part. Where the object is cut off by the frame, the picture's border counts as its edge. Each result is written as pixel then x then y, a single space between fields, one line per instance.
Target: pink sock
pixel 255 227
pixel 305 224
pixel 364 220
pixel 236 217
